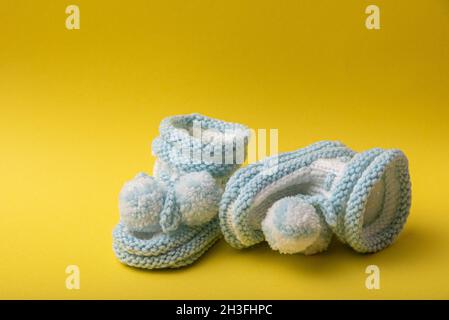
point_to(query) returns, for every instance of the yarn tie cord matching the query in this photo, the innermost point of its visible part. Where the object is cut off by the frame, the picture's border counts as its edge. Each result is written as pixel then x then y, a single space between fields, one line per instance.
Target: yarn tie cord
pixel 296 201
pixel 170 219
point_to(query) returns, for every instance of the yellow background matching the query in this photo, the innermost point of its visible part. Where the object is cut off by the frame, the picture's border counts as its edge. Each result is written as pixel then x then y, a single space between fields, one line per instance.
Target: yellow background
pixel 78 110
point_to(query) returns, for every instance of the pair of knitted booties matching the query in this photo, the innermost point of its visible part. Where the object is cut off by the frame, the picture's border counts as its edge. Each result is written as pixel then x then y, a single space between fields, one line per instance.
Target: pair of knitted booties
pixel 295 201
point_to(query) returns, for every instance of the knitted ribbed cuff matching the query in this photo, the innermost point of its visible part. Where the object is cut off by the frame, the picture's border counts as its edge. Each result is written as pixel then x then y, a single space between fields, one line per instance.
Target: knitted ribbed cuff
pixel 193 143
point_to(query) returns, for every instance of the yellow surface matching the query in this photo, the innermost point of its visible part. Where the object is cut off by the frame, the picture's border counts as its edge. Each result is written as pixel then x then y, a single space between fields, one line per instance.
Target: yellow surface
pixel 78 110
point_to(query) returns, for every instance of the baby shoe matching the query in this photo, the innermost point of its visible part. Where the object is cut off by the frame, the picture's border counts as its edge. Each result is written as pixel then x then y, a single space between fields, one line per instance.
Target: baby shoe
pixel 296 201
pixel 169 220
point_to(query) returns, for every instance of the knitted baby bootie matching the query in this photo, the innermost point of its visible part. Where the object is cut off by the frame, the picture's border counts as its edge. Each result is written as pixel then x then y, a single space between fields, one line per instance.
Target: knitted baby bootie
pixel 297 200
pixel 169 220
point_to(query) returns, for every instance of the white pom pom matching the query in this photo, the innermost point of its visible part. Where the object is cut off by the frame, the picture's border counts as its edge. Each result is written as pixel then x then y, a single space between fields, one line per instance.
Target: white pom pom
pixel 198 197
pixel 140 202
pixel 291 225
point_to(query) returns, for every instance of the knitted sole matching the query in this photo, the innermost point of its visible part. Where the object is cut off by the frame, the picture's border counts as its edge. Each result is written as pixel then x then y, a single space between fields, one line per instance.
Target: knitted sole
pixel 162 250
pixel 378 202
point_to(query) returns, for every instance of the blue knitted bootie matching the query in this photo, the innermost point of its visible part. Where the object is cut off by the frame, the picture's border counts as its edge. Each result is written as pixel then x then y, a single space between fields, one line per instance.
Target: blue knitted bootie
pixel 169 220
pixel 296 201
